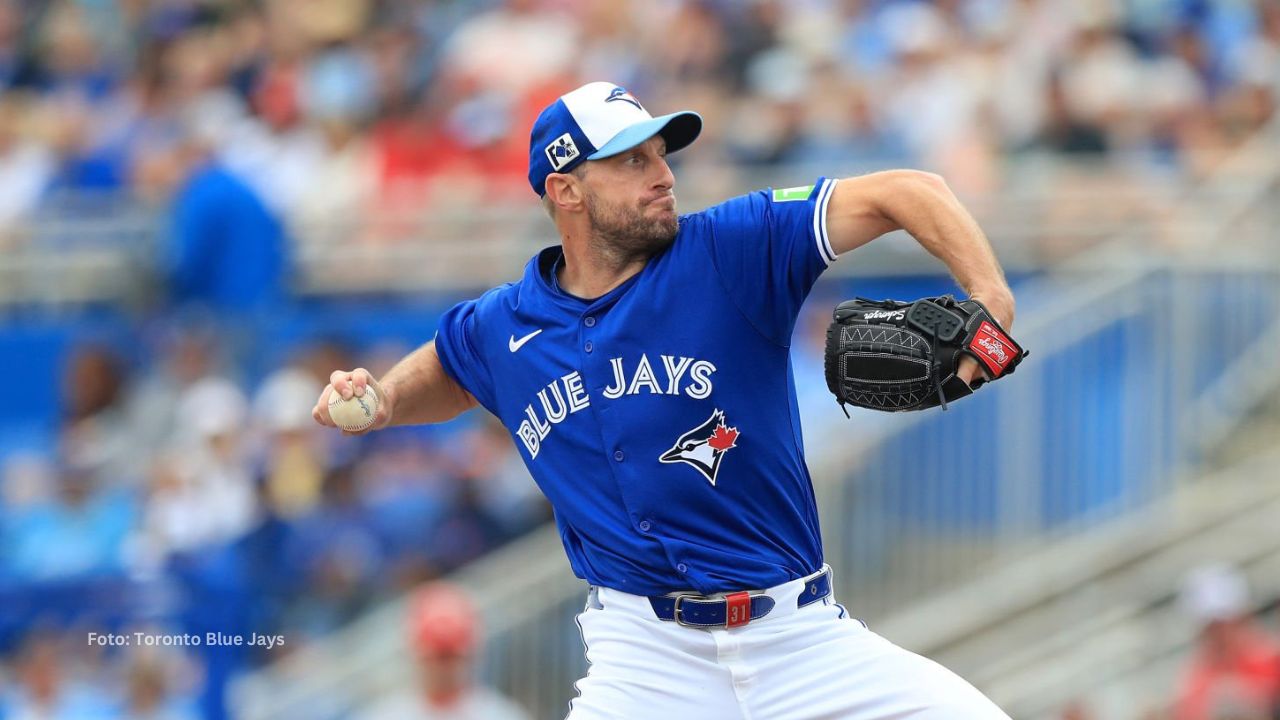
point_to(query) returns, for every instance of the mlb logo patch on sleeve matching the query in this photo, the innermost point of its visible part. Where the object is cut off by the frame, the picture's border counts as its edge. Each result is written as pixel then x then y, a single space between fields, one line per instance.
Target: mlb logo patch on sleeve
pixel 792 194
pixel 561 151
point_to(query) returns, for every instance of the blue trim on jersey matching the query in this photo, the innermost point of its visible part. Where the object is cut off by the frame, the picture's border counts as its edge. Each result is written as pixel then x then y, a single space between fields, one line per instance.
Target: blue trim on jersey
pixel 820 221
pixel 660 419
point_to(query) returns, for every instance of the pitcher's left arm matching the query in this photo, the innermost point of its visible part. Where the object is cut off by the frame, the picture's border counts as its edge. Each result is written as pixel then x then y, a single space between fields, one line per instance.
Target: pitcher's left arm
pixel 865 207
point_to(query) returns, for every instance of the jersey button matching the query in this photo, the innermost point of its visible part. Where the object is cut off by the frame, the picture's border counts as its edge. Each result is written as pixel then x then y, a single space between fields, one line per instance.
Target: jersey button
pixel 682 568
pixel 617 455
pixel 590 321
pixel 588 346
pixel 644 526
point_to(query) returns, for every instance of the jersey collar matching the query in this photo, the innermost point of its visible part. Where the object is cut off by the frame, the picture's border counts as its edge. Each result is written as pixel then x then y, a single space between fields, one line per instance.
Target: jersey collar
pixel 537 276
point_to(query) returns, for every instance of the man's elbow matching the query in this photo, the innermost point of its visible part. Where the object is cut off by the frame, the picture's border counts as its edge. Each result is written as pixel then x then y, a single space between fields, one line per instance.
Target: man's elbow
pixel 923 181
pixel 899 194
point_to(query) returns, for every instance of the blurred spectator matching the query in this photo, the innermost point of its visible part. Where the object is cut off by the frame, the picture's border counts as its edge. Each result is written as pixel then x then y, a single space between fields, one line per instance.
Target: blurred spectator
pixel 79 531
pixel 407 488
pixel 482 47
pixel 78 525
pixel 610 47
pixel 148 690
pixel 202 493
pixel 1235 673
pixel 294 454
pixel 467 530
pixel 185 349
pixel 97 436
pixel 26 165
pixel 691 43
pixel 1097 80
pixel 48 689
pixel 337 93
pixel 928 99
pixel 444 635
pixel 502 483
pixel 842 125
pixel 12 62
pixel 226 250
pixel 94 382
pixel 340 554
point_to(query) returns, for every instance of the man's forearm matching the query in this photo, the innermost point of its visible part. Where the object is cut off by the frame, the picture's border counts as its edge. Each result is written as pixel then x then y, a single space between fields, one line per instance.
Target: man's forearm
pixel 420 391
pixel 927 209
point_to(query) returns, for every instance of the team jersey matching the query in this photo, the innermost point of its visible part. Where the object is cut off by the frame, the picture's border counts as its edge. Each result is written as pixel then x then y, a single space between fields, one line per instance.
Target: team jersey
pixel 660 419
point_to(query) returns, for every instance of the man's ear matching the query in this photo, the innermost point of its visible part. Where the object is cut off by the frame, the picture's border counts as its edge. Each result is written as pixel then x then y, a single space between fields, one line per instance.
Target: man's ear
pixel 565 191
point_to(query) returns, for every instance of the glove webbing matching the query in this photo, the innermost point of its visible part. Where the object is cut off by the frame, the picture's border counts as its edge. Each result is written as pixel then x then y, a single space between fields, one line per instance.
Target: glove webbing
pixel 938 323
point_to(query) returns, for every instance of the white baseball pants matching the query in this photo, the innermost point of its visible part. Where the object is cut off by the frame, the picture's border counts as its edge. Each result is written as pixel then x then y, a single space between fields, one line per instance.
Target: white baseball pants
pixel 811 663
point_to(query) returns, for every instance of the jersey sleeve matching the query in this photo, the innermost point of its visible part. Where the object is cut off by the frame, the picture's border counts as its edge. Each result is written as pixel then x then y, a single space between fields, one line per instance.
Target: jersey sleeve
pixel 768 248
pixel 456 344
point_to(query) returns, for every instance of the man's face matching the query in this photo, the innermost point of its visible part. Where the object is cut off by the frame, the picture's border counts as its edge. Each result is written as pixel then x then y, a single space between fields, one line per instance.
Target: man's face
pixel 445 673
pixel 629 199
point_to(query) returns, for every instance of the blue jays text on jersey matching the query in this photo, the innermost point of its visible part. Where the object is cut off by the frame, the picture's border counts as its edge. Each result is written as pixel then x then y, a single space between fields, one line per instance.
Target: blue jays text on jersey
pixel 660 419
pixel 553 407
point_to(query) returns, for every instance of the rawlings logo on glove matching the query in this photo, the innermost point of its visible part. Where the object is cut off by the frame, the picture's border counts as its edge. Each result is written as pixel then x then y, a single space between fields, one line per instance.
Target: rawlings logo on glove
pixel 894 356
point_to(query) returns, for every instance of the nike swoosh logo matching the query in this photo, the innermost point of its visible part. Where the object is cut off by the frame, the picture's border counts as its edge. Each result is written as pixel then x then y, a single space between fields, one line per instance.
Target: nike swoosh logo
pixel 513 344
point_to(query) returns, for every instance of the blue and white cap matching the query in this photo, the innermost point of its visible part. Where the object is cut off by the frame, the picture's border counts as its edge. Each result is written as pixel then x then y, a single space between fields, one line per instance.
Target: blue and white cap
pixel 596 121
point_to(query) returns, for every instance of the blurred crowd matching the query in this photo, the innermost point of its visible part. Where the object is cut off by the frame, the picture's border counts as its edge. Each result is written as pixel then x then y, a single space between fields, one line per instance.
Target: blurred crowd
pixel 1232 671
pixel 228 509
pixel 345 120
pixel 444 631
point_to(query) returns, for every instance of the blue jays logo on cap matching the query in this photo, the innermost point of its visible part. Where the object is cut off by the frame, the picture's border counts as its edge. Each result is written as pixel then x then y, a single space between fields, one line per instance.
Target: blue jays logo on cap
pixel 596 121
pixel 622 94
pixel 704 447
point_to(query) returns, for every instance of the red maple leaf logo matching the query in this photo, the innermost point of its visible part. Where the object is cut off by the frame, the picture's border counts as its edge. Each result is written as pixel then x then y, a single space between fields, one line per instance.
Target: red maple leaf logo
pixel 723 438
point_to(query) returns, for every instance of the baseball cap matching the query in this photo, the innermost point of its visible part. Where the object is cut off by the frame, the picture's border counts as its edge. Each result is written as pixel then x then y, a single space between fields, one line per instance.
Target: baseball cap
pixel 443 620
pixel 1214 592
pixel 212 406
pixel 596 121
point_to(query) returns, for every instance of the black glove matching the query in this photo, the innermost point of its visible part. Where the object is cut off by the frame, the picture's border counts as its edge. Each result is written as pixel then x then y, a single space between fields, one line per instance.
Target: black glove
pixel 889 355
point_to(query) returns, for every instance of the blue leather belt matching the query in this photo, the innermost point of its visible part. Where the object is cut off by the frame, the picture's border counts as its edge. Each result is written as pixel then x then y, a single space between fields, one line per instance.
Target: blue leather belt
pixel 732 610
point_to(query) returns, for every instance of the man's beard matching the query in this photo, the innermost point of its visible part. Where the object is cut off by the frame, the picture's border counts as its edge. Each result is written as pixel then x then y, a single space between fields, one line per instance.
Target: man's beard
pixel 626 234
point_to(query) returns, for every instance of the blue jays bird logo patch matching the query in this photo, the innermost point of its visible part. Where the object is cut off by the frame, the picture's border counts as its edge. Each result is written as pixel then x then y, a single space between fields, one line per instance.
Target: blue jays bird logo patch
pixel 704 446
pixel 626 97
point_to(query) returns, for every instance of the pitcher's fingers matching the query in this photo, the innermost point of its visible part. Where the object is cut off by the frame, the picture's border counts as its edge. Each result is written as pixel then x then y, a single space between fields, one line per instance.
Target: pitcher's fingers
pixel 341 382
pixel 383 415
pixel 969 370
pixel 321 411
pixel 359 381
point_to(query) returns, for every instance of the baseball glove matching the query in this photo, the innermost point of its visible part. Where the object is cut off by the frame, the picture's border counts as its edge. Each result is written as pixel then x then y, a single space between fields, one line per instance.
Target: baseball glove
pixel 894 356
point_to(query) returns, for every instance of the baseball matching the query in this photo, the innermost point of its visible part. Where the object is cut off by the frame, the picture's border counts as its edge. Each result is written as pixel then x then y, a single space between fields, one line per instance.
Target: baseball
pixel 355 414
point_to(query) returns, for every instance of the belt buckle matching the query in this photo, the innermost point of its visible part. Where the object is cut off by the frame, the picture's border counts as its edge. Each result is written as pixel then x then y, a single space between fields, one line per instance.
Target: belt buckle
pixel 677 616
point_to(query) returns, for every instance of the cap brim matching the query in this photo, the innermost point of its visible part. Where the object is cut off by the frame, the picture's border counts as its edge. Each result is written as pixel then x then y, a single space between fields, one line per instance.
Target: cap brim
pixel 678 129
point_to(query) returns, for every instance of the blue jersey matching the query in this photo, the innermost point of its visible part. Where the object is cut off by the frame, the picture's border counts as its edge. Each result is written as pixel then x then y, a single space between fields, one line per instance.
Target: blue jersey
pixel 660 419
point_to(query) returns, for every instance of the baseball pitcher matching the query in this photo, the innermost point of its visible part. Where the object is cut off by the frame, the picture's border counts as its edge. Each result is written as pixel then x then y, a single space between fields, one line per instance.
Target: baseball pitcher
pixel 642 367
